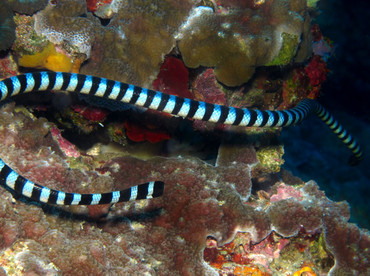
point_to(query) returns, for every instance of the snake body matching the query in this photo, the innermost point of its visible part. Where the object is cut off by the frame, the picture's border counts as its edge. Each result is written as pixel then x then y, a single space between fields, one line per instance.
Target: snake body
pixel 155 100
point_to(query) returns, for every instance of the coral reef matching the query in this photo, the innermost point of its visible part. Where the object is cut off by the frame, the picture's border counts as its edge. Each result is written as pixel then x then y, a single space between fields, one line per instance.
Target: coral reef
pixel 139 133
pixel 8 67
pixel 27 6
pixel 168 235
pixel 63 22
pixel 234 38
pixel 209 220
pixel 27 41
pixel 237 40
pixel 49 59
pixel 173 78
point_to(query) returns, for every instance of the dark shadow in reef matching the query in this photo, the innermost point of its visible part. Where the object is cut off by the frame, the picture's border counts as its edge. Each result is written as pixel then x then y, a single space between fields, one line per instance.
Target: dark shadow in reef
pixel 203 143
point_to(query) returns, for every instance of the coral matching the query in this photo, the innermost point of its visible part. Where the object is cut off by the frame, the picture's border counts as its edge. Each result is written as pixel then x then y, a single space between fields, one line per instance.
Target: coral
pixel 173 78
pixel 67 147
pixel 8 67
pixel 27 6
pixel 206 88
pixel 208 221
pixel 105 9
pixel 304 82
pixel 287 51
pixel 63 23
pixel 284 192
pixel 7 26
pixel 27 41
pixel 91 113
pixel 312 4
pixel 139 133
pixel 49 59
pixel 168 235
pixel 94 5
pixel 316 71
pixel 235 41
pixel 234 38
pixel 116 133
pixel 270 158
pixel 139 36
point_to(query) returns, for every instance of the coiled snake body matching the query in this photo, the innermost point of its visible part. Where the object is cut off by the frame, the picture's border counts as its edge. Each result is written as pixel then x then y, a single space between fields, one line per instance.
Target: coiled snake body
pixel 155 100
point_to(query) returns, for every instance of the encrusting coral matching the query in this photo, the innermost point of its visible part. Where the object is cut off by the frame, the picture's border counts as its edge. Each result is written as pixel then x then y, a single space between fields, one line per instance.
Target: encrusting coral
pixel 208 201
pixel 63 22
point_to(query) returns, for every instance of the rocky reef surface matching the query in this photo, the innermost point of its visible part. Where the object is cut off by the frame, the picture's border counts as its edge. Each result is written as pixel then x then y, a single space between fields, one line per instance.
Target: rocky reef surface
pixel 228 207
pixel 168 235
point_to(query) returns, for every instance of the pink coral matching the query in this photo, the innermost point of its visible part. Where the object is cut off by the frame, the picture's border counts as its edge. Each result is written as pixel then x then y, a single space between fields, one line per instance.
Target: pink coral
pixel 67 147
pixel 207 89
pixel 284 192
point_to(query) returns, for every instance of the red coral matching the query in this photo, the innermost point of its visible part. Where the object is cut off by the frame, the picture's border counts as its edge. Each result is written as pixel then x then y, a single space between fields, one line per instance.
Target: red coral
pixel 316 70
pixel 91 113
pixel 173 78
pixel 93 5
pixel 316 33
pixel 304 82
pixel 139 133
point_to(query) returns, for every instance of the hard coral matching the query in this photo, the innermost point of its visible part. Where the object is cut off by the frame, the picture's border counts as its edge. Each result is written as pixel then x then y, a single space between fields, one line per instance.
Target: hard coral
pixel 63 23
pixel 132 47
pixel 27 41
pixel 236 41
pixel 165 235
pixel 27 6
pixel 304 82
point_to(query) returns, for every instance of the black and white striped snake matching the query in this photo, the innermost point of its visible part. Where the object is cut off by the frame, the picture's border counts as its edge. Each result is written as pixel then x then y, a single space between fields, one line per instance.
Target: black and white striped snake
pixel 127 93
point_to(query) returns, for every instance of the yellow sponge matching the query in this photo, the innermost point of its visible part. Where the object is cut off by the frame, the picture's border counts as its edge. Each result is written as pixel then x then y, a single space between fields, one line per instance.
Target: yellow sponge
pixel 49 59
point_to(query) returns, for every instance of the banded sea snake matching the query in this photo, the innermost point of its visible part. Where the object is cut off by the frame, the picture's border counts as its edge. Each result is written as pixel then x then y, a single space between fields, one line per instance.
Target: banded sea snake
pixel 127 93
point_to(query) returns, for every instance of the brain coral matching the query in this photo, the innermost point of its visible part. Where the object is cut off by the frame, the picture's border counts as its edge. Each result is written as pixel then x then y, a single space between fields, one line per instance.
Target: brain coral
pixel 235 40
